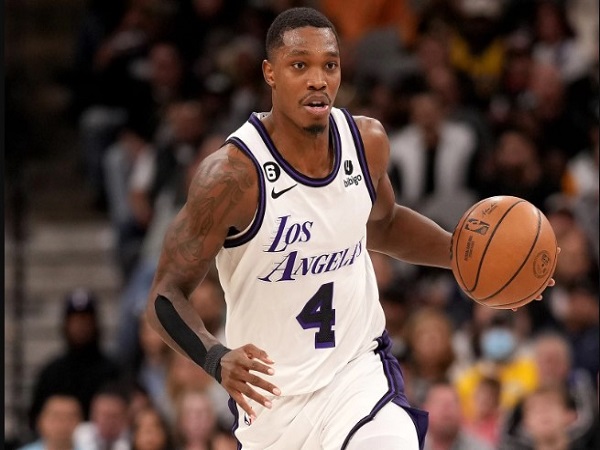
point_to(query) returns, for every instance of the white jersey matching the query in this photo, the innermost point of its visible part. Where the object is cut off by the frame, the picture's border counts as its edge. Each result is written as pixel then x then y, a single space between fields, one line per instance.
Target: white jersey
pixel 298 281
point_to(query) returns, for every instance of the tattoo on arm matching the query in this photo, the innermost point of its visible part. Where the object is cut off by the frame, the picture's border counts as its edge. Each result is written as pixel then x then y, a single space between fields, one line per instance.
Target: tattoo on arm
pixel 190 245
pixel 215 191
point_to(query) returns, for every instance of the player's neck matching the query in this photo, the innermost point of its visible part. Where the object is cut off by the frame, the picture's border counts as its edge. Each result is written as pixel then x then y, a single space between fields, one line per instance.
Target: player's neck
pixel 309 153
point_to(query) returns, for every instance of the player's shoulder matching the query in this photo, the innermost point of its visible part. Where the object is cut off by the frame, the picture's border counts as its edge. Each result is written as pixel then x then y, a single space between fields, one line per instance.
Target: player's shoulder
pixel 228 164
pixel 226 177
pixel 376 142
pixel 370 128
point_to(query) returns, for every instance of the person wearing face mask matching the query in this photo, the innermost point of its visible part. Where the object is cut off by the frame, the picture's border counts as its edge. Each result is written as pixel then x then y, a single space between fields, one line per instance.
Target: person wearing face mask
pixel 502 356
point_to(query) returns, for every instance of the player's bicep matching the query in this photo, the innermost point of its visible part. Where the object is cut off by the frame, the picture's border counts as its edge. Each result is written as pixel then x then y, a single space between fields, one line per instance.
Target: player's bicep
pixel 218 199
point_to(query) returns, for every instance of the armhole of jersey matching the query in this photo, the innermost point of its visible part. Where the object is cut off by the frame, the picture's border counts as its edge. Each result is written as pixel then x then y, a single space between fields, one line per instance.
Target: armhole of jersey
pixel 360 153
pixel 251 230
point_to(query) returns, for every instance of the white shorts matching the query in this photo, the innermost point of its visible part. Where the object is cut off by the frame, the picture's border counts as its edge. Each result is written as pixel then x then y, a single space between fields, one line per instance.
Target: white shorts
pixel 329 418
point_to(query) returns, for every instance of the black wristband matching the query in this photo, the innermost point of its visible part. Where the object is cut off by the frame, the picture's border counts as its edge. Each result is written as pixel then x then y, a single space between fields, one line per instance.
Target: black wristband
pixel 212 364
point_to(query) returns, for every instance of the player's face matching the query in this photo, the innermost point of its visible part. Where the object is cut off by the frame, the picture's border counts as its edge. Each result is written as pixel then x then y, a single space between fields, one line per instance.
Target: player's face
pixel 305 75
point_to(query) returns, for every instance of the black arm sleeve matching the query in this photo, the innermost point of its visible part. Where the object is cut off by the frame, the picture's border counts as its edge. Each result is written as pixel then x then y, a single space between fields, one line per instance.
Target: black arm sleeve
pixel 189 341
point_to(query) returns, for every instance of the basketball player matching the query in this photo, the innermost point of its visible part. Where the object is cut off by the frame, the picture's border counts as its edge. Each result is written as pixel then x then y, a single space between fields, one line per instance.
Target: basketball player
pixel 289 207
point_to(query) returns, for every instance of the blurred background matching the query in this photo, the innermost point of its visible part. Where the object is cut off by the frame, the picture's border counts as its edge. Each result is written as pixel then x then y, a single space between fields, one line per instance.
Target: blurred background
pixel 111 105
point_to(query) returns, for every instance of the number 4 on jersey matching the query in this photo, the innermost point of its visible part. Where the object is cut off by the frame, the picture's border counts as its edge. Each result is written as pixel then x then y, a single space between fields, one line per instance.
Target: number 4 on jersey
pixel 319 313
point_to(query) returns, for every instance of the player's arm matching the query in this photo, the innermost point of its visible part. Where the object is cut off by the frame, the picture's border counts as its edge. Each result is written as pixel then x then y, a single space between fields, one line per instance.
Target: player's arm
pixel 394 229
pixel 222 194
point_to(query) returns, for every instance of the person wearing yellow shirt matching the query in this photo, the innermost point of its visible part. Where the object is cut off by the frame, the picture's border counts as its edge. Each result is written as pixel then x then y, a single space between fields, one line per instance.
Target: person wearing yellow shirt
pixel 500 359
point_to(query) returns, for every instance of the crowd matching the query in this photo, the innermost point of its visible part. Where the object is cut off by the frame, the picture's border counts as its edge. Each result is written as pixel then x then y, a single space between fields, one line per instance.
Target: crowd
pixel 479 98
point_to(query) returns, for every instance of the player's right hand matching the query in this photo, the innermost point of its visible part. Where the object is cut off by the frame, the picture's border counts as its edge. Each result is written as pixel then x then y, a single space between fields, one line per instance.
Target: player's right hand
pixel 237 379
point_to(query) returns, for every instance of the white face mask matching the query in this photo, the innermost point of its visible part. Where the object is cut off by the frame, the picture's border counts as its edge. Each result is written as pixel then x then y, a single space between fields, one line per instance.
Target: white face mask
pixel 497 343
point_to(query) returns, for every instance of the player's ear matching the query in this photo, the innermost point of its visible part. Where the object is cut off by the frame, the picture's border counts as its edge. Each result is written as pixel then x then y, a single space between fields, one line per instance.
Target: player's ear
pixel 267 69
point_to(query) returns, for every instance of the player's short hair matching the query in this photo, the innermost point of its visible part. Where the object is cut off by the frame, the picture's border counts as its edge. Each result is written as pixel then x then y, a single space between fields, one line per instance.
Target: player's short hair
pixel 294 18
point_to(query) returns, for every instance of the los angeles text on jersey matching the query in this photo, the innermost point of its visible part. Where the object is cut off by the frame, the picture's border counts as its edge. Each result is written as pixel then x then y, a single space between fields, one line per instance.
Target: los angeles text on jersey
pixel 291 265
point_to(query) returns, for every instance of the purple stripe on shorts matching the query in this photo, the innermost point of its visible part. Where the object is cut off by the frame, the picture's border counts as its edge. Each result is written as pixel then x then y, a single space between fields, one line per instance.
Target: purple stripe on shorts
pixel 393 373
pixel 236 418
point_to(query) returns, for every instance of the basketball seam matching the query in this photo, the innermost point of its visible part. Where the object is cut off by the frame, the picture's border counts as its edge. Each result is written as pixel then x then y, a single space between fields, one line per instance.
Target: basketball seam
pixel 455 243
pixel 490 241
pixel 550 273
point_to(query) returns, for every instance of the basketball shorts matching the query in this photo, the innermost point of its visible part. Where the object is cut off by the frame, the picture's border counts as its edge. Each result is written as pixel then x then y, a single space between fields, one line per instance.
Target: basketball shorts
pixel 329 418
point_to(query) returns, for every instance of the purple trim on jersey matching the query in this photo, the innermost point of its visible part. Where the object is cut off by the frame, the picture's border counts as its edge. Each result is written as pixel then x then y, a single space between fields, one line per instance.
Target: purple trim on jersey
pixel 395 393
pixel 360 152
pixel 236 420
pixel 260 213
pixel 297 176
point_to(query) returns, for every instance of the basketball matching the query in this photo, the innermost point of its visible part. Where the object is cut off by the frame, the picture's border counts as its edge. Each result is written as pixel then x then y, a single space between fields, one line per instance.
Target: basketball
pixel 503 252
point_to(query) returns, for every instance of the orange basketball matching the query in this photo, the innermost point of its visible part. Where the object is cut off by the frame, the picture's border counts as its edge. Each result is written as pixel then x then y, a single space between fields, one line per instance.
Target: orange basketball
pixel 503 252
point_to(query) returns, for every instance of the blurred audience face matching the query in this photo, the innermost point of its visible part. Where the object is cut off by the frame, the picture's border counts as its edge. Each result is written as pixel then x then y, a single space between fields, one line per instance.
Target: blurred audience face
pixel 546 415
pixel 487 398
pixel 187 121
pixel 207 299
pixel 80 329
pixel 516 157
pixel 139 400
pixel 582 311
pixel 57 421
pixel 150 432
pixel 575 259
pixel 207 8
pixel 432 52
pixel 197 420
pixel 109 413
pixel 444 412
pixel 224 441
pixel 547 87
pixel 553 359
pixel 429 339
pixel 549 24
pixel 444 83
pixel 153 346
pixel 426 112
pixel 185 374
pixel 166 67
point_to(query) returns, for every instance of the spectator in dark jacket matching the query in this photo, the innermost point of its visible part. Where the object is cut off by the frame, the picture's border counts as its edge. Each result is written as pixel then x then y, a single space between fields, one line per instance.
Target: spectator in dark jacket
pixel 82 368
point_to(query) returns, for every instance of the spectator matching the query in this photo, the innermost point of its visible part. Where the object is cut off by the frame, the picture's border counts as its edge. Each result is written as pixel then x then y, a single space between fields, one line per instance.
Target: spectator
pixel 149 369
pixel 429 352
pixel 167 197
pixel 224 439
pixel 208 299
pixel 182 375
pixel 431 161
pixel 195 420
pixel 477 45
pixel 120 92
pixel 108 426
pixel 580 184
pixel 556 42
pixel 151 431
pixel 515 168
pixel 553 357
pixel 553 122
pixel 56 424
pixel 82 367
pixel 129 162
pixel 487 417
pixel 547 417
pixel 446 430
pixel 504 357
pixel 581 326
